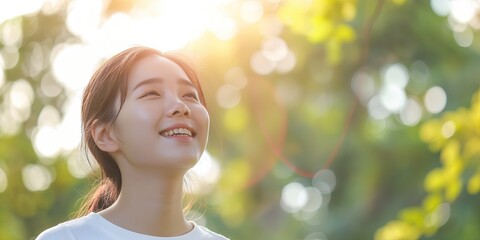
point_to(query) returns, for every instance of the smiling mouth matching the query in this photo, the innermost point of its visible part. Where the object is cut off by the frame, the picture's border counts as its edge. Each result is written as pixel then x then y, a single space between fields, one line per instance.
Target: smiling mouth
pixel 178 132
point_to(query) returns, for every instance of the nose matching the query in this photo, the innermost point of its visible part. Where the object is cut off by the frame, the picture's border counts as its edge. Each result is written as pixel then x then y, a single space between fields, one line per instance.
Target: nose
pixel 178 108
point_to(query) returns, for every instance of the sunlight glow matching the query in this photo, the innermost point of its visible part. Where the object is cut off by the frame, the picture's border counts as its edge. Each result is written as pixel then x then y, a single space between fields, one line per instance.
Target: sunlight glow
pixel 79 167
pixel 206 174
pixel 251 11
pixel 11 9
pixel 84 16
pixel 165 25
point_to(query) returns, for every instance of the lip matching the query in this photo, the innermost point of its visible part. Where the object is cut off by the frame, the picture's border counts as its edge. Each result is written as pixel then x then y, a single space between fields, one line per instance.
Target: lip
pixel 179 125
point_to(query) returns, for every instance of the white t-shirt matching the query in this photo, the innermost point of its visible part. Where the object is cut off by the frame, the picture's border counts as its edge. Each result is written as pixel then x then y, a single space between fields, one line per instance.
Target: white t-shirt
pixel 95 227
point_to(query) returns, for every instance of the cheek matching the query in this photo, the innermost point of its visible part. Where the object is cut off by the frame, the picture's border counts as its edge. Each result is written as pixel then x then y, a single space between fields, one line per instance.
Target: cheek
pixel 203 118
pixel 133 120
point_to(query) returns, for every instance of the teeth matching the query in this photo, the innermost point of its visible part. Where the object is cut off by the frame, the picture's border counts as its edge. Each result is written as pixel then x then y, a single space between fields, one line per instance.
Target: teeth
pixel 177 131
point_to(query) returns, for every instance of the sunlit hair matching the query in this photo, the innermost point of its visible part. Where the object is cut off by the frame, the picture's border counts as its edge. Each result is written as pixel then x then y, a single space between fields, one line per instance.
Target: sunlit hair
pixel 108 82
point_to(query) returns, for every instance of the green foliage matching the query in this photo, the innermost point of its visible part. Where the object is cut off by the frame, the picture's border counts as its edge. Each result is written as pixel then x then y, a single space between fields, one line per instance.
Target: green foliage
pixel 324 22
pixel 456 135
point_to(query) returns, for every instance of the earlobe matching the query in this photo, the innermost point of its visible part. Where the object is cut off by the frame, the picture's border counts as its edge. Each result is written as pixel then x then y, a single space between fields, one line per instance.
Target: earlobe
pixel 103 137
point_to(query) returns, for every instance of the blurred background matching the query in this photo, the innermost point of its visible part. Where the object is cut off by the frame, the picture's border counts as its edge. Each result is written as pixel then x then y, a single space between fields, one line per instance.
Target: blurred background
pixel 331 119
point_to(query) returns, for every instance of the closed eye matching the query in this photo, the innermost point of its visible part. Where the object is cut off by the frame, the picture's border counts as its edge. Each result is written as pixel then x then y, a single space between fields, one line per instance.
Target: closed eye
pixel 150 93
pixel 192 95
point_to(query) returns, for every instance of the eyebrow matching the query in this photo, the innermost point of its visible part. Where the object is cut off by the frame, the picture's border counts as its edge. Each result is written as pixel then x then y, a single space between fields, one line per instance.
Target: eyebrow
pixel 157 80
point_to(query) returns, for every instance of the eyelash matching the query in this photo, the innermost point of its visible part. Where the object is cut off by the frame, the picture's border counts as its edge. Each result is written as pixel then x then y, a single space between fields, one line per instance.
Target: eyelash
pixel 192 95
pixel 151 93
pixel 154 93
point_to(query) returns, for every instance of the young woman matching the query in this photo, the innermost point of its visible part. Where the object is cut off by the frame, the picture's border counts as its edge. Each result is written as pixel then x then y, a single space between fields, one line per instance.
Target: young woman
pixel 145 122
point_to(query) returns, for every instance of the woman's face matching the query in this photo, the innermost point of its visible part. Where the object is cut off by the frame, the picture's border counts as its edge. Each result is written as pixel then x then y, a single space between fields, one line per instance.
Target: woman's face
pixel 162 122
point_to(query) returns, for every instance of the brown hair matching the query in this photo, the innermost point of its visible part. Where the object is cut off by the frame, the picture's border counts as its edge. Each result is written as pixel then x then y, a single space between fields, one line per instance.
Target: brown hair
pixel 98 106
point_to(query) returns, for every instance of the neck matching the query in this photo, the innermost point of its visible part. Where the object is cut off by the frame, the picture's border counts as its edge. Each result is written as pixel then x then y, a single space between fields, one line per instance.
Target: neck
pixel 150 203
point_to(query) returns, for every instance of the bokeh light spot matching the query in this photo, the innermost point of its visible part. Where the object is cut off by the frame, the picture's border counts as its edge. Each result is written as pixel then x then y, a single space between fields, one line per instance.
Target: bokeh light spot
pixel 294 197
pixel 363 86
pixel 463 10
pixel 12 34
pixel 448 129
pixel 411 113
pixel 10 57
pixel 396 74
pixel 440 7
pixel 376 109
pixel 236 76
pixel 439 216
pixel 392 97
pixel 464 38
pixel 49 116
pixel 261 64
pixel 287 63
pixel 49 86
pixel 275 49
pixel 3 181
pixel 36 177
pixel 228 96
pixel 325 181
pixel 435 99
pixel 251 11
pixel 314 201
pixel 46 142
pixel 20 99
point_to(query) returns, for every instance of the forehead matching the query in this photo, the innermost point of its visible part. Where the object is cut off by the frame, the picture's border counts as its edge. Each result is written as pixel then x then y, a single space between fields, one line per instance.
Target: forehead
pixel 155 67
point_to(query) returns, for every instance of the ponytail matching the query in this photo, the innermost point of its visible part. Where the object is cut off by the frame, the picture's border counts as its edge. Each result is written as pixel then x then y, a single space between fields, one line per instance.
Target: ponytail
pixel 100 197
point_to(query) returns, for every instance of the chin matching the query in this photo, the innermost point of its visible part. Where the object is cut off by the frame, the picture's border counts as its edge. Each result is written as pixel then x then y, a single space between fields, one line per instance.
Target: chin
pixel 182 162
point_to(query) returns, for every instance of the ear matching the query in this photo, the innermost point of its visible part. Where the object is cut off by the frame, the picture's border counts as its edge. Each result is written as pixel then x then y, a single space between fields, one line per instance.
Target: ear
pixel 104 137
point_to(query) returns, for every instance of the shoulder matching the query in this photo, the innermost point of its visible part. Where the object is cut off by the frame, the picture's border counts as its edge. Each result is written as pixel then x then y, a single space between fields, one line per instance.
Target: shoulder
pixel 210 235
pixel 63 231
